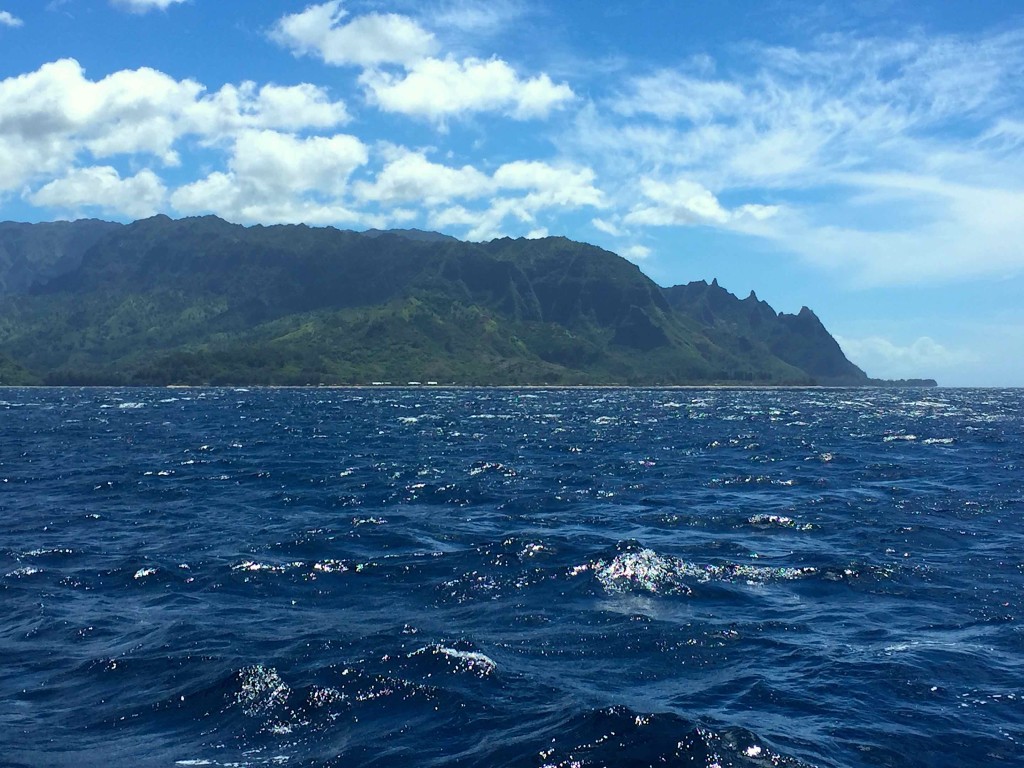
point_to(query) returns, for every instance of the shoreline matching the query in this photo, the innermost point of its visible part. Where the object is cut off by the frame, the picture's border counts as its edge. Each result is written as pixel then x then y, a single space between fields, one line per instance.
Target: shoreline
pixel 242 387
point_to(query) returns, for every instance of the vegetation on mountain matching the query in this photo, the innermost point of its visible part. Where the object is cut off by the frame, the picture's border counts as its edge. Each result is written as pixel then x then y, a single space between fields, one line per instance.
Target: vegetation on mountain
pixel 800 340
pixel 33 253
pixel 202 301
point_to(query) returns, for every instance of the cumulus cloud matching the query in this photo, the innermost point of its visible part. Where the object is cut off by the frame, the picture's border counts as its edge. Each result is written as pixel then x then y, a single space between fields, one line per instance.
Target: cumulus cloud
pixel 143 6
pixel 520 190
pixel 542 189
pixel 247 106
pixel 401 73
pixel 409 177
pixel 221 194
pixel 52 116
pixel 479 225
pixel 56 124
pixel 273 161
pixel 369 40
pixel 549 185
pixel 439 88
pixel 268 169
pixel 7 19
pixel 102 188
pixel 684 202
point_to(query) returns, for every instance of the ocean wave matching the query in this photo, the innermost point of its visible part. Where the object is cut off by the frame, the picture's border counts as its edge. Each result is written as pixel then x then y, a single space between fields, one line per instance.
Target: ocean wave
pixel 472 662
pixel 619 736
pixel 640 569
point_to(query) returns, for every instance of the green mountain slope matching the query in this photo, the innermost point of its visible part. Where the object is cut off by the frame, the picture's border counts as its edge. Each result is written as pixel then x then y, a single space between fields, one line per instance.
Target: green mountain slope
pixel 31 254
pixel 200 300
pixel 800 340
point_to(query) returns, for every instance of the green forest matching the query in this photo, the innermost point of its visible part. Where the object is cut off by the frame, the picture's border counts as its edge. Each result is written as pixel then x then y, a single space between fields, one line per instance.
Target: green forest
pixel 201 301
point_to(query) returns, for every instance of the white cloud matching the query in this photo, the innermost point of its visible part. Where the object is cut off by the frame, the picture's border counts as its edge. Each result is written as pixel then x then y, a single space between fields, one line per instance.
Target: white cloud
pixel 490 17
pixel 366 41
pixel 409 177
pixel 426 86
pixel 277 161
pixel 482 225
pixel 55 121
pixel 102 187
pixel 519 191
pixel 548 189
pixel 218 192
pixel 239 200
pixel 279 177
pixel 439 88
pixel 1006 132
pixel 683 202
pixel 670 95
pixel 921 358
pixel 636 252
pixel 223 114
pixel 887 160
pixel 7 19
pixel 549 185
pixel 144 6
pixel 50 117
pixel 928 230
pixel 609 228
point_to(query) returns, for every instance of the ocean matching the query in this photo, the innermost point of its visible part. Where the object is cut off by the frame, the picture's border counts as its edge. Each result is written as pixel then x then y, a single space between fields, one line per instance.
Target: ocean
pixel 511 577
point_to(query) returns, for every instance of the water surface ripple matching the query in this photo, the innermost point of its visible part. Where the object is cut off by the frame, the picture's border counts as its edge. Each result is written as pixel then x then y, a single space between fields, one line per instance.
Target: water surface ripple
pixel 493 577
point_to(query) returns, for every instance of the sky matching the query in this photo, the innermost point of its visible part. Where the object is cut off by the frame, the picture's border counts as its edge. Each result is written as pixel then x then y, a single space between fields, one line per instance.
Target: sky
pixel 863 158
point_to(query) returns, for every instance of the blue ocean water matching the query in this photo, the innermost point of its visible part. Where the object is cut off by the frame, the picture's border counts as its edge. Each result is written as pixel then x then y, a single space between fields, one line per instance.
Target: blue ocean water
pixel 494 577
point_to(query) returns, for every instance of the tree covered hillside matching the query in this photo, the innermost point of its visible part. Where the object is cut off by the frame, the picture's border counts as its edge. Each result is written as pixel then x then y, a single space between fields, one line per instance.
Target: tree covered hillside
pixel 202 301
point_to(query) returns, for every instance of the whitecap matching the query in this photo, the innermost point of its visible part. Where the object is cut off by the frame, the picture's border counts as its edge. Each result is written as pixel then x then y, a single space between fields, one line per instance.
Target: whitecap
pixel 331 566
pixel 475 662
pixel 322 697
pixel 648 571
pixel 44 552
pixel 533 549
pixel 261 690
pixel 252 565
pixel 644 569
pixel 778 520
pixel 26 570
pixel 144 572
pixel 492 466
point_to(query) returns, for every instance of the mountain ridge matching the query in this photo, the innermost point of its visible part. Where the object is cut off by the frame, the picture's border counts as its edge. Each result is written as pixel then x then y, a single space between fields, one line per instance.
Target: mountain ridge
pixel 200 300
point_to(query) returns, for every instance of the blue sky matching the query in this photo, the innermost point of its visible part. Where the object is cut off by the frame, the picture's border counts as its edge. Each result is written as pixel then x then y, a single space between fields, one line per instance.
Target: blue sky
pixel 865 159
